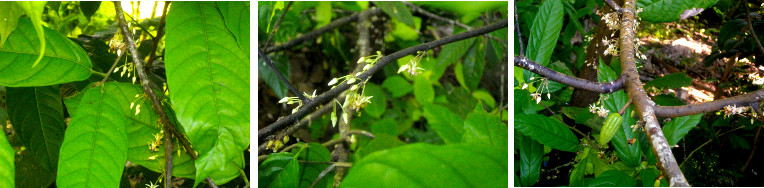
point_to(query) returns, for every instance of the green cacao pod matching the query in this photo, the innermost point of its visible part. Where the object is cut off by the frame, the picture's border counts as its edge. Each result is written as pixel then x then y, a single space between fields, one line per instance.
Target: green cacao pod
pixel 611 125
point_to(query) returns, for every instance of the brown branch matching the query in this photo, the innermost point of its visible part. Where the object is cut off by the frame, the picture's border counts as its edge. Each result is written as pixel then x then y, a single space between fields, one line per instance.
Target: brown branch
pixel 281 77
pixel 283 122
pixel 750 27
pixel 450 21
pixel 710 106
pixel 167 126
pixel 613 5
pixel 278 23
pixel 642 102
pixel 600 87
pixel 519 36
pixel 160 33
pixel 318 32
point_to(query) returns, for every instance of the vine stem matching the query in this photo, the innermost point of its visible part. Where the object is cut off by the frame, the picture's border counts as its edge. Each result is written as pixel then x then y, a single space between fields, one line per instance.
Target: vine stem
pixel 167 126
pixel 283 122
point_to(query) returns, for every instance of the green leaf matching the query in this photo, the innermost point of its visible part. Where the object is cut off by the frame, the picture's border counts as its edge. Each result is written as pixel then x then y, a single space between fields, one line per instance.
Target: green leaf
pixel 730 29
pixel 448 125
pixel 629 154
pixel 396 10
pixel 423 91
pixel 669 10
pixel 89 8
pixel 523 102
pixel 236 16
pixel 547 131
pixel 378 103
pixel 498 48
pixel 673 80
pixel 323 13
pixel 310 171
pixel 279 88
pixel 8 19
pixel 64 62
pixel 379 143
pixel 385 126
pixel 279 170
pixel 397 85
pixel 483 128
pixel 583 116
pixel 7 171
pixel 647 149
pixel 456 51
pixel 424 165
pixel 680 126
pixel 544 34
pixel 667 100
pixel 531 153
pixel 96 140
pixel 472 68
pixel 34 9
pixel 30 174
pixel 648 176
pixel 738 142
pixel 485 97
pixel 38 118
pixel 577 174
pixel 206 74
pixel 613 178
pixel 405 32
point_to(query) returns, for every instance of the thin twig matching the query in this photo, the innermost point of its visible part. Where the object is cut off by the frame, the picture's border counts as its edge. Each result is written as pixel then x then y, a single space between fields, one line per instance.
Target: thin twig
pixel 276 27
pixel 168 127
pixel 283 122
pixel 614 6
pixel 750 27
pixel 108 72
pixel 160 33
pixel 450 21
pixel 760 115
pixel 517 27
pixel 145 30
pixel 281 77
pixel 600 87
pixel 620 112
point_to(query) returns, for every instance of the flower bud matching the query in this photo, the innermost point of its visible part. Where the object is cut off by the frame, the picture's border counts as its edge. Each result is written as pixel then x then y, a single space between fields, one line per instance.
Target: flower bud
pixel 333 81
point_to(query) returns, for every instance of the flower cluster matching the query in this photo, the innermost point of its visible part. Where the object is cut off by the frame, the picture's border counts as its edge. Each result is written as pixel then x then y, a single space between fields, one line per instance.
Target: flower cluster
pixel 139 99
pixel 277 144
pixel 292 100
pixel 756 79
pixel 538 93
pixel 412 67
pixel 611 19
pixel 596 108
pixel 116 44
pixel 354 99
pixel 732 110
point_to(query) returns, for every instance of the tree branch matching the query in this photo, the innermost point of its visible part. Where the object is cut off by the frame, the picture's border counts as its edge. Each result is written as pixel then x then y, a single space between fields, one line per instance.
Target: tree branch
pixel 278 23
pixel 519 36
pixel 642 102
pixel 450 21
pixel 614 6
pixel 167 126
pixel 281 77
pixel 600 87
pixel 293 118
pixel 317 32
pixel 710 106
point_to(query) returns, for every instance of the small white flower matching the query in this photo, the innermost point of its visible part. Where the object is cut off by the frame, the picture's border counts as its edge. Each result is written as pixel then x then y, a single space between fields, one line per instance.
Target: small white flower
pixel 137 109
pixel 358 74
pixel 351 80
pixel 132 104
pixel 538 100
pixel 333 81
pixel 354 87
pixel 361 60
pixel 403 68
pixel 283 100
pixel 345 117
pixel 367 67
pixel 116 69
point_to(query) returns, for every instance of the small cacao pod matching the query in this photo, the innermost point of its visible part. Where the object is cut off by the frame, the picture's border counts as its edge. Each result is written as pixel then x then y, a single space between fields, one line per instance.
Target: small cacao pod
pixel 611 125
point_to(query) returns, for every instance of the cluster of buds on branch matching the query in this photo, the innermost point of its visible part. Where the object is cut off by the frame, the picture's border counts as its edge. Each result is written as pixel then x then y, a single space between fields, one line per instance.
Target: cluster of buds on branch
pixel 412 67
pixel 354 99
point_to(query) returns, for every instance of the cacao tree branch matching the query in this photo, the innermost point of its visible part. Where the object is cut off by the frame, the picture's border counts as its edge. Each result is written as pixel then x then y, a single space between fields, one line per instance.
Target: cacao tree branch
pixel 642 102
pixel 517 27
pixel 167 126
pixel 600 87
pixel 281 77
pixel 318 32
pixel 710 106
pixel 450 21
pixel 283 122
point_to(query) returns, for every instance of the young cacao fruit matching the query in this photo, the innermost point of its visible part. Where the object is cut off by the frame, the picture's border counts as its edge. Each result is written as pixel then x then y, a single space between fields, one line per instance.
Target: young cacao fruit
pixel 611 125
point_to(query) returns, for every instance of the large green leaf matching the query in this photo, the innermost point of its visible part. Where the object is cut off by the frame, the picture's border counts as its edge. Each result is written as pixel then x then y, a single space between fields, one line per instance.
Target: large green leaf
pixel 270 77
pixel 279 170
pixel 547 131
pixel 456 51
pixel 669 10
pixel 397 85
pixel 674 80
pixel 613 178
pixel 30 174
pixel 424 165
pixel 94 150
pixel 208 79
pixel 310 171
pixel 483 128
pixel 531 153
pixel 7 171
pixel 423 91
pixel 680 126
pixel 236 16
pixel 63 62
pixel 630 154
pixel 396 10
pixel 446 123
pixel 469 73
pixel 380 142
pixel 33 10
pixel 9 17
pixel 37 116
pixel 378 103
pixel 544 34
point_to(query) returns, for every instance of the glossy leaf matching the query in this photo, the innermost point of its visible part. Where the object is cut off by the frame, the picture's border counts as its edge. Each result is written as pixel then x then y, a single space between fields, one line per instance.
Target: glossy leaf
pixel 613 178
pixel 673 80
pixel 208 80
pixel 63 62
pixel 279 170
pixel 378 103
pixel 396 10
pixel 7 171
pixel 397 85
pixel 9 17
pixel 270 77
pixel 544 34
pixel 404 167
pixel 630 154
pixel 379 143
pixel 547 131
pixel 456 50
pixel 38 119
pixel 485 129
pixel 669 10
pixel 531 153
pixel 678 127
pixel 471 70
pixel 236 16
pixel 30 174
pixel 310 171
pixel 448 125
pixel 523 102
pixel 34 9
pixel 423 91
pixel 96 140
